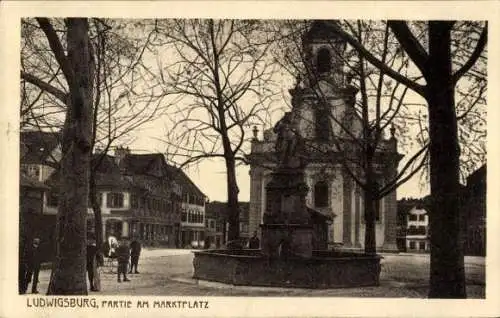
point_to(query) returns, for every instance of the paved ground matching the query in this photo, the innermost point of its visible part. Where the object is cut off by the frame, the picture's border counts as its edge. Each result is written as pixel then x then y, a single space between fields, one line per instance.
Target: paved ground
pixel 169 272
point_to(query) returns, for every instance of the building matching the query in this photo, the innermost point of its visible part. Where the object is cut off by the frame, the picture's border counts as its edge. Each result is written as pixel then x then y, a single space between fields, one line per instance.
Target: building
pixel 332 191
pixel 474 213
pixel 193 212
pixel 136 195
pixel 40 154
pixel 217 225
pixel 417 231
pixel 413 225
pixel 139 195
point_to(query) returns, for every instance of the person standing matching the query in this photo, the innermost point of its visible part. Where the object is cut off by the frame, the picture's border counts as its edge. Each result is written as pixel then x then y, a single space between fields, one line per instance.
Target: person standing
pixel 94 278
pixel 123 258
pixel 135 252
pixel 206 244
pixel 254 242
pixel 33 259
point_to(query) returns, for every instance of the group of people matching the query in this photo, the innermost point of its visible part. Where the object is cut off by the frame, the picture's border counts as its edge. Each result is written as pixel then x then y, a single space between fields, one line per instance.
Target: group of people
pixel 125 254
pixel 122 251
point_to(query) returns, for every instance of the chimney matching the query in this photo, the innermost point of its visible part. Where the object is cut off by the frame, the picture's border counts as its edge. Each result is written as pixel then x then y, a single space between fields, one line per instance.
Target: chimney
pixel 120 154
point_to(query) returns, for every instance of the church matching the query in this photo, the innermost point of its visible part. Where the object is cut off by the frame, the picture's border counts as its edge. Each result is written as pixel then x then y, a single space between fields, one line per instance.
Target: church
pixel 323 113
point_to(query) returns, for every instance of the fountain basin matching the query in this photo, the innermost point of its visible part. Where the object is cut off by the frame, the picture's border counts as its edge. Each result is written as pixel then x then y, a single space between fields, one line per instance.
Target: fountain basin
pixel 325 269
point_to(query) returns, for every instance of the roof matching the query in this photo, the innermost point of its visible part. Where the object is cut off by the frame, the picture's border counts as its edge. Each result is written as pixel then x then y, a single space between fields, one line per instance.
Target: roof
pixel 144 171
pixel 107 180
pixel 406 205
pixel 36 146
pixel 321 29
pixel 141 163
pixel 28 182
pixel 185 182
pixel 106 163
pixel 144 164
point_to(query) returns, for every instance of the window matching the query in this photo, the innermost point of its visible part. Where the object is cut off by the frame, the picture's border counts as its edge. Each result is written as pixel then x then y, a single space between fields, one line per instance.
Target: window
pixel 184 216
pixel 421 246
pixel 413 217
pixel 322 123
pixel 115 200
pixel 321 194
pixel 99 199
pixel 421 217
pixel 324 61
pixel 52 199
pixel 34 171
pixel 412 245
pixel 134 202
pixel 212 224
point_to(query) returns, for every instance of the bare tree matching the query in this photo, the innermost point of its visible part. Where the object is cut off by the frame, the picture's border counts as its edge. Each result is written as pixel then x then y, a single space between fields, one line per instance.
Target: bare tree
pixel 454 49
pixel 73 56
pixel 221 81
pixel 121 103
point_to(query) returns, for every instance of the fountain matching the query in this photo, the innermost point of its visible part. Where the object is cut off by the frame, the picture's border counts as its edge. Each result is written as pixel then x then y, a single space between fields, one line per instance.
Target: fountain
pixel 286 257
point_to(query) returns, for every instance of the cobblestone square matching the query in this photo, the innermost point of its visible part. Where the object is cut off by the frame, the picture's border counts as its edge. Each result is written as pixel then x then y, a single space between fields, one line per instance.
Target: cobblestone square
pixel 169 272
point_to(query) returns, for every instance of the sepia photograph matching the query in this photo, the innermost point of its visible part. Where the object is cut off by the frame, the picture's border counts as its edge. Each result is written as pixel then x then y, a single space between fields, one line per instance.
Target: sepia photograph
pixel 248 157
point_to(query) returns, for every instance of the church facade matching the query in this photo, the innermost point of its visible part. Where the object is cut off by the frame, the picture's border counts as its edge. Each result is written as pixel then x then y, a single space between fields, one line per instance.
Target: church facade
pixel 323 114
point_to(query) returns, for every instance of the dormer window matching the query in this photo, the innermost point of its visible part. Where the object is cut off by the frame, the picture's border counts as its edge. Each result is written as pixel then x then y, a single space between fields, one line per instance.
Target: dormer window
pixel 323 61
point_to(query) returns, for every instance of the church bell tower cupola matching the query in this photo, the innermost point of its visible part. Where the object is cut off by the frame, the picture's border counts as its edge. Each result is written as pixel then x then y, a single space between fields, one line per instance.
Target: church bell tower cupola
pixel 323 50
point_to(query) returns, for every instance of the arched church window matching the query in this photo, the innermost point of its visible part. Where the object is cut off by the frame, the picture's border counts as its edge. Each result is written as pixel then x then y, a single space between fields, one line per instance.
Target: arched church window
pixel 322 124
pixel 323 61
pixel 321 194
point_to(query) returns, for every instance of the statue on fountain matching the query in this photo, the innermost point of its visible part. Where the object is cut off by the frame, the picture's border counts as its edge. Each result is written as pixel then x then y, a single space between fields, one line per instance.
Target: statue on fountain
pixel 288 144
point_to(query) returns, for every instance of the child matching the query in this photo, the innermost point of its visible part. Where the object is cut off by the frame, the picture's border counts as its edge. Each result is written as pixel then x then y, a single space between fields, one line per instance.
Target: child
pixel 123 257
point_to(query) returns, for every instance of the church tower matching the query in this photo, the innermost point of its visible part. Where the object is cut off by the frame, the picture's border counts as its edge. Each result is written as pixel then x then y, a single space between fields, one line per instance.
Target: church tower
pixel 323 111
pixel 323 99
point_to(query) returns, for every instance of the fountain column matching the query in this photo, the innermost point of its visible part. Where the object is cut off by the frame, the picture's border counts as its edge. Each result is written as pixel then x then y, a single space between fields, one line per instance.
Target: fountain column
pixel 287 230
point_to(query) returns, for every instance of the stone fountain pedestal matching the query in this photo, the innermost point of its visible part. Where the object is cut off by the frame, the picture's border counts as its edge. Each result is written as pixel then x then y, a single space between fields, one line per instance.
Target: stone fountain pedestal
pixel 286 258
pixel 287 230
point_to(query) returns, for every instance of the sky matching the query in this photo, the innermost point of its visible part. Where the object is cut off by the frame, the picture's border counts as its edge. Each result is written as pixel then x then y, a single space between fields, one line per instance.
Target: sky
pixel 210 175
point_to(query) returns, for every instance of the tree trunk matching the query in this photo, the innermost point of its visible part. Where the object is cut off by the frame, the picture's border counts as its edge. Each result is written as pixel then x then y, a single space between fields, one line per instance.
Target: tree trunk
pixel 370 239
pixel 232 201
pixel 69 267
pixel 96 207
pixel 447 277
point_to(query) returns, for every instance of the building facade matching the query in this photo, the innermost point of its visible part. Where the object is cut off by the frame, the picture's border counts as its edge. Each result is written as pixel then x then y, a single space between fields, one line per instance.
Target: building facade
pixel 139 195
pixel 474 213
pixel 193 214
pixel 323 106
pixel 217 225
pixel 417 230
